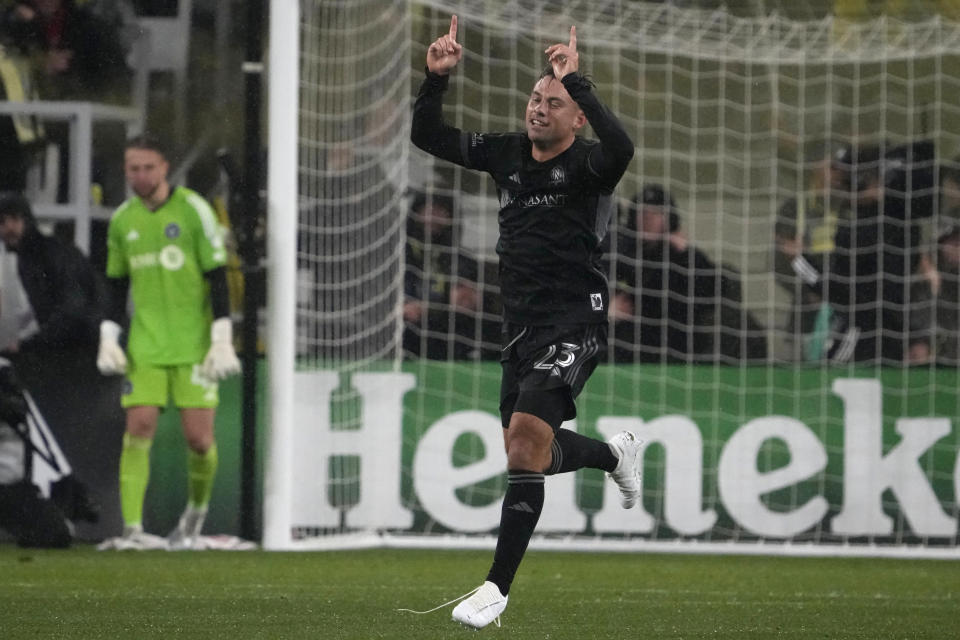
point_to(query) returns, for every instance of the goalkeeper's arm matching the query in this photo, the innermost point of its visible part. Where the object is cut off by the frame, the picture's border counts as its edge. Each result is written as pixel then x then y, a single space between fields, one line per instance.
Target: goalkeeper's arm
pixel 110 357
pixel 221 360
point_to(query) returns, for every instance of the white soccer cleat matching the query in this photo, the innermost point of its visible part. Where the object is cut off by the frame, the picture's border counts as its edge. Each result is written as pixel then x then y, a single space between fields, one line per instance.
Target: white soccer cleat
pixel 134 539
pixel 187 532
pixel 483 607
pixel 626 447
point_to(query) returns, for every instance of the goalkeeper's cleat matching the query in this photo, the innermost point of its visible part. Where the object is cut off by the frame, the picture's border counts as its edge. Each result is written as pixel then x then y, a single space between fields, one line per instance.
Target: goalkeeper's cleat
pixel 626 447
pixel 134 538
pixel 484 606
pixel 187 532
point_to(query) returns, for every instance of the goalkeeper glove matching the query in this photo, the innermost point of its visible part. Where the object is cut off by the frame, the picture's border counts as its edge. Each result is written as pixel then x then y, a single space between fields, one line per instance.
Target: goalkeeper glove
pixel 110 357
pixel 221 360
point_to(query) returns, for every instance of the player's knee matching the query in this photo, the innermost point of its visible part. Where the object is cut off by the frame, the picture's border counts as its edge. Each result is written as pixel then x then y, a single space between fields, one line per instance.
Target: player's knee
pixel 522 456
pixel 141 423
pixel 199 443
pixel 528 442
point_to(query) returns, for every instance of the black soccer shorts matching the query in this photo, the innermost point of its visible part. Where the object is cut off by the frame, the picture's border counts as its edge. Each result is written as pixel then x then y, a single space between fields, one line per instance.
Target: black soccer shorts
pixel 546 367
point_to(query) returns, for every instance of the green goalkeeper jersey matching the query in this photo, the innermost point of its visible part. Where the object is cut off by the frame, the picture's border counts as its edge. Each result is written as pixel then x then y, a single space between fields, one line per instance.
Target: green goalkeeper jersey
pixel 166 253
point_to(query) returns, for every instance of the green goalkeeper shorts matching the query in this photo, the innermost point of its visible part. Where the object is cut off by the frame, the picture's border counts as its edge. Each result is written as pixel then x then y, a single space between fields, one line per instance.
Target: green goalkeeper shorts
pixel 156 386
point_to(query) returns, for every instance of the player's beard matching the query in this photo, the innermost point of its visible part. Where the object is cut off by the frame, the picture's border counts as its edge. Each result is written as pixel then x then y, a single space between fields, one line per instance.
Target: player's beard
pixel 147 194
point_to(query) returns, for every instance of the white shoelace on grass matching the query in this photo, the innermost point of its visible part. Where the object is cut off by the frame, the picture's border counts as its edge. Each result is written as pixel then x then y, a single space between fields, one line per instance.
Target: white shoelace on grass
pixel 496 620
pixel 445 604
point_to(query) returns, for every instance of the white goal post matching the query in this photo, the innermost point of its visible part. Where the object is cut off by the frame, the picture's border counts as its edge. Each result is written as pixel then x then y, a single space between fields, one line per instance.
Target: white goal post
pixel 383 414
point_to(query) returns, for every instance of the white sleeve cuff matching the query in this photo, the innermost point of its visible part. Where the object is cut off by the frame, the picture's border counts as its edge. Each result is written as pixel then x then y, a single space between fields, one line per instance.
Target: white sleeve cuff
pixel 805 271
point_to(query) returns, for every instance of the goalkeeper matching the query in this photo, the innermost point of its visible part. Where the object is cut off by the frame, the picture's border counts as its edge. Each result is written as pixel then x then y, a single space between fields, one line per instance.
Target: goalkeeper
pixel 165 247
pixel 556 199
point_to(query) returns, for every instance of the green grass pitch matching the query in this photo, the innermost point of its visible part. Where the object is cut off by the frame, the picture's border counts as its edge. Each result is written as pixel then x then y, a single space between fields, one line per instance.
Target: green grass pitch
pixel 82 593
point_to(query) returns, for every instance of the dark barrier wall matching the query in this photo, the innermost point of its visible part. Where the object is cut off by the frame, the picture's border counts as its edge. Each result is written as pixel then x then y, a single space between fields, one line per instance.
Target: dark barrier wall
pixel 82 409
pixel 88 422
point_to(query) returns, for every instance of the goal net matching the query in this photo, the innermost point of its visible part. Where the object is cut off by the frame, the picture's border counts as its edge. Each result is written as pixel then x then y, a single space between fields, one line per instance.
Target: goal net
pixel 785 263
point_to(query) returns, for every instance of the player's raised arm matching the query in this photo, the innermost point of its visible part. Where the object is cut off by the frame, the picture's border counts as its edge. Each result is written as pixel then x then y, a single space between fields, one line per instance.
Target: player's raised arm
pixel 444 53
pixel 428 130
pixel 610 158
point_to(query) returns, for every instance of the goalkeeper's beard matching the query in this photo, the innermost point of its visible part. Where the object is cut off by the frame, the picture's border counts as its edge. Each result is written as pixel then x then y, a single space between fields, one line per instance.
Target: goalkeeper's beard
pixel 147 194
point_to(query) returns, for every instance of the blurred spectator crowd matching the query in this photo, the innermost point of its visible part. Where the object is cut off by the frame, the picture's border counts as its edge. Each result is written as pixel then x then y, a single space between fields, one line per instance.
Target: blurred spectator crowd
pixel 864 252
pixel 57 50
pixel 867 253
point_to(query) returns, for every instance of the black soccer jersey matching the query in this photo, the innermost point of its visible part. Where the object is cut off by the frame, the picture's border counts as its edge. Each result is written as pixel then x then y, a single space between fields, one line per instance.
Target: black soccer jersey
pixel 553 215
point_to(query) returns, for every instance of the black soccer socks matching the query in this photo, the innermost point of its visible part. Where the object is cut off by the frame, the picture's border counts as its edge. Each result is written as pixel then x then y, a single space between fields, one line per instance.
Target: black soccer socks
pixel 522 505
pixel 571 451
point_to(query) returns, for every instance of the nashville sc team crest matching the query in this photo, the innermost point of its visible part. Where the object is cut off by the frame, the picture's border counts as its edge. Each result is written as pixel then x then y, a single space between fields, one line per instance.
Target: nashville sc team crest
pixel 557 175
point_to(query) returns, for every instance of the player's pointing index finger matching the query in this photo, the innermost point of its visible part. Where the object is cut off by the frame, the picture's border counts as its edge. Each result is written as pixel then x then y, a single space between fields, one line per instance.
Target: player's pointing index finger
pixel 573 38
pixel 453 27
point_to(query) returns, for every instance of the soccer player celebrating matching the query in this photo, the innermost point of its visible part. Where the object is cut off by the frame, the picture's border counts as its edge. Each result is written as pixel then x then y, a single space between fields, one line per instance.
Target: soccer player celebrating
pixel 556 198
pixel 165 246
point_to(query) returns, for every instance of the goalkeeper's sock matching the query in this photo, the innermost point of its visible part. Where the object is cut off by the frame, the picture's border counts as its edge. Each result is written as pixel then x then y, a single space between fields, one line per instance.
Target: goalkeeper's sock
pixel 522 505
pixel 202 468
pixel 571 451
pixel 134 476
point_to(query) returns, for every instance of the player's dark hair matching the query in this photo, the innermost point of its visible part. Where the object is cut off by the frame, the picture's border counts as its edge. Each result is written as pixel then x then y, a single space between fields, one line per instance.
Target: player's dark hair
pixel 147 141
pixel 548 73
